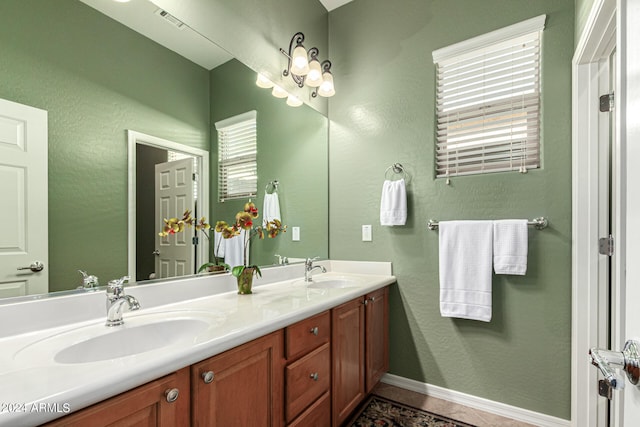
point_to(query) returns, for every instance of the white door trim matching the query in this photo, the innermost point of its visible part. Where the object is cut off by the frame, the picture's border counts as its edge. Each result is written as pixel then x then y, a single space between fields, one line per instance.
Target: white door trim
pixel 134 138
pixel 595 41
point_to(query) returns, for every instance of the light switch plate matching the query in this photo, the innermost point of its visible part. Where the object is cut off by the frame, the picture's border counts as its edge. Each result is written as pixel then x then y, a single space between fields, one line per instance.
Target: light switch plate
pixel 366 233
pixel 295 234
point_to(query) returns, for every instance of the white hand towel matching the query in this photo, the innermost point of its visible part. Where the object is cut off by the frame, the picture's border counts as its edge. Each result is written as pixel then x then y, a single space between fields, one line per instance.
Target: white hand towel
pixel 393 203
pixel 234 250
pixel 466 249
pixel 510 240
pixel 271 207
pixel 218 244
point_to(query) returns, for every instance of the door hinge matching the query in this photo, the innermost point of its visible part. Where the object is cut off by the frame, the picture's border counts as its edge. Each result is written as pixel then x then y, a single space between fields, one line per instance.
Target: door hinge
pixel 195 177
pixel 605 245
pixel 194 240
pixel 606 102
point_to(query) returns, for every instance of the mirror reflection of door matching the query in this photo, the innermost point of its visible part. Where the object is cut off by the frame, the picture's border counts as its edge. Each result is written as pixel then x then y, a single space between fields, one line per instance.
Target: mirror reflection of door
pixel 174 254
pixel 23 200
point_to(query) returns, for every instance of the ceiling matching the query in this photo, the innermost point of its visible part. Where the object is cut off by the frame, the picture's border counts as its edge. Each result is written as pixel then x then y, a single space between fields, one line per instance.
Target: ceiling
pixel 333 4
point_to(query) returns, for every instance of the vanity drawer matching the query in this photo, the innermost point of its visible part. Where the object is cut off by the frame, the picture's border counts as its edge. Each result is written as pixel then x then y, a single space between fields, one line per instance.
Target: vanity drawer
pixel 307 379
pixel 317 415
pixel 307 334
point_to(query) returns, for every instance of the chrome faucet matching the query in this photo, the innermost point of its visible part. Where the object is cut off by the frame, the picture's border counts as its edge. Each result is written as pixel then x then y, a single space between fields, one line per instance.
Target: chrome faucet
pixel 309 267
pixel 116 300
pixel 88 280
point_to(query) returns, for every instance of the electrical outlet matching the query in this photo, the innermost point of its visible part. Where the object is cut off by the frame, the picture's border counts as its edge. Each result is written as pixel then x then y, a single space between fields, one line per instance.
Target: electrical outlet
pixel 295 234
pixel 366 233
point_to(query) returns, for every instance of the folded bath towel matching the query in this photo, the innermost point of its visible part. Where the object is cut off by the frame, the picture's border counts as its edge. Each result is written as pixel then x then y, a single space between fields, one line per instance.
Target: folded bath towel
pixel 510 240
pixel 271 207
pixel 465 269
pixel 393 203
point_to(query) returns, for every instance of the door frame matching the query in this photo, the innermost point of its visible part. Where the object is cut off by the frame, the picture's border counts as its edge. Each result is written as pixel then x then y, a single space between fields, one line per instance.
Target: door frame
pixel 133 138
pixel 595 41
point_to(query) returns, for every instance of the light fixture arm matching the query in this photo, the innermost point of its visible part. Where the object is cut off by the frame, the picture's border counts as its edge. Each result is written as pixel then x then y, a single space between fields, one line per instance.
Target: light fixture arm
pixel 296 40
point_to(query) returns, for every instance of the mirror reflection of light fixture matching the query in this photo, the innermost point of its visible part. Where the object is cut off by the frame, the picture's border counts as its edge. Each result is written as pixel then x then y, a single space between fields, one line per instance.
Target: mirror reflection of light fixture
pixel 263 82
pixel 293 101
pixel 278 92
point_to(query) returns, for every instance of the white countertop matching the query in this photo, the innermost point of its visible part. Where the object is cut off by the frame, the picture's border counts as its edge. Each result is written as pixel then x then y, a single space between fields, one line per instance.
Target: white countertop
pixel 34 388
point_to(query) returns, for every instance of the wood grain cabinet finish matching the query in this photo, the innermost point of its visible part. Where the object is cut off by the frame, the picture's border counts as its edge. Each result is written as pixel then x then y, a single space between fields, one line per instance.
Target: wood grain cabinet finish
pixel 317 415
pixel 240 387
pixel 360 355
pixel 150 405
pixel 307 335
pixel 306 380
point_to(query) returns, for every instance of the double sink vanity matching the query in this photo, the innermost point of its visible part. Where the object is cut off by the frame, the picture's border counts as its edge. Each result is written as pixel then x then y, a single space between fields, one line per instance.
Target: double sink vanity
pixel 196 353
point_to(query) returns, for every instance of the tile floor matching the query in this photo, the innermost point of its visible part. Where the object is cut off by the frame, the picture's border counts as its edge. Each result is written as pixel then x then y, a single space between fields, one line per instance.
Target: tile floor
pixel 444 408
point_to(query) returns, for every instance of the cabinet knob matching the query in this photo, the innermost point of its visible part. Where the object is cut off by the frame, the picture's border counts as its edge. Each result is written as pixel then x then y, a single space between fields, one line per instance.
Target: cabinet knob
pixel 172 394
pixel 208 377
pixel 372 299
pixel 314 376
pixel 314 330
pixel 366 301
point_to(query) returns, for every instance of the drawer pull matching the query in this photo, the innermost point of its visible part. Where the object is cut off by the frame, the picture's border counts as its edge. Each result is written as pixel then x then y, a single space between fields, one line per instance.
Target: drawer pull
pixel 314 330
pixel 172 395
pixel 314 376
pixel 207 377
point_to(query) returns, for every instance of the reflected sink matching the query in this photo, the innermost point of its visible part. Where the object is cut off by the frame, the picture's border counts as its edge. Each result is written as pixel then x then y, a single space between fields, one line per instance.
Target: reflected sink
pixel 138 335
pixel 334 283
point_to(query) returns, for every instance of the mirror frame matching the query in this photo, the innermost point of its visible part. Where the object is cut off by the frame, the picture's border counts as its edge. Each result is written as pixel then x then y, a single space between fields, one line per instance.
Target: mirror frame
pixel 134 138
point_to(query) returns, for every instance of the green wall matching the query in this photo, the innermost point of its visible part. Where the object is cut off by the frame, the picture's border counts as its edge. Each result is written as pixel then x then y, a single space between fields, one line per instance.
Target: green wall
pixel 292 148
pixel 383 112
pixel 96 78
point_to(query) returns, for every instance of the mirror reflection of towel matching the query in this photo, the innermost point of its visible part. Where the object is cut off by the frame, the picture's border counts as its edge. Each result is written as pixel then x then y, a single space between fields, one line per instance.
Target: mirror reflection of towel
pixel 271 207
pixel 234 250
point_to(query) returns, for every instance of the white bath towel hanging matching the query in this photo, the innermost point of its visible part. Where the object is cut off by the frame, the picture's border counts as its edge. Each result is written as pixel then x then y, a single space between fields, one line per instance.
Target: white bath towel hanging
pixel 510 241
pixel 218 244
pixel 271 207
pixel 393 203
pixel 465 261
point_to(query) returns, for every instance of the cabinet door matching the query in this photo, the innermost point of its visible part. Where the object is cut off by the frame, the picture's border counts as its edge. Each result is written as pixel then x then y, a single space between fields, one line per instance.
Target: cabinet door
pixel 348 353
pixel 377 336
pixel 147 405
pixel 240 387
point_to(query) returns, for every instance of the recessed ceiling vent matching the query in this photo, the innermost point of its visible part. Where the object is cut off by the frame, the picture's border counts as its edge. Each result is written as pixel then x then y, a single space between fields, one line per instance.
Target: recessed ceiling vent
pixel 170 19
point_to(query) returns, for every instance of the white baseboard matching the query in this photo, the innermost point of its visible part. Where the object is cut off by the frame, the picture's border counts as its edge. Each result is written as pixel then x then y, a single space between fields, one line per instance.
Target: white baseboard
pixel 486 405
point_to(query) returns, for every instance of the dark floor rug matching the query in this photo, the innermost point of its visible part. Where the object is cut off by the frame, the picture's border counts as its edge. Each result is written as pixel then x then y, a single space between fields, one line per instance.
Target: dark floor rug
pixel 380 412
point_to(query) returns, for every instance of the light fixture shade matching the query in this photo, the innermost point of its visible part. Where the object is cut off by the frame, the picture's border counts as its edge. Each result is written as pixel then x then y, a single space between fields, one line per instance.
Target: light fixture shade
pixel 263 82
pixel 299 61
pixel 278 92
pixel 326 88
pixel 314 77
pixel 293 101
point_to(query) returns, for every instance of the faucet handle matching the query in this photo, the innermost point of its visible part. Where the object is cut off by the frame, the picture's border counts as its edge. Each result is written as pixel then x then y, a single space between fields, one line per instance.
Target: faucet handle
pixel 115 286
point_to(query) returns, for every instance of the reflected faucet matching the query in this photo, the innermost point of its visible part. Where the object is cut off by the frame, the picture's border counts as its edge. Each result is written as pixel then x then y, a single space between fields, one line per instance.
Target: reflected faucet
pixel 309 267
pixel 88 280
pixel 116 300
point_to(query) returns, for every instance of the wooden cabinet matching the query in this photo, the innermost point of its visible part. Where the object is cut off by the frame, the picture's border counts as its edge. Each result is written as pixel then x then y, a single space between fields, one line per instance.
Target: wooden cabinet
pixel 359 350
pixel 152 404
pixel 308 372
pixel 240 387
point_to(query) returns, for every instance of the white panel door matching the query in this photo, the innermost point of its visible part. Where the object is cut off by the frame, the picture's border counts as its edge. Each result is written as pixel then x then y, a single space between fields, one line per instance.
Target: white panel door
pixel 174 194
pixel 23 200
pixel 629 294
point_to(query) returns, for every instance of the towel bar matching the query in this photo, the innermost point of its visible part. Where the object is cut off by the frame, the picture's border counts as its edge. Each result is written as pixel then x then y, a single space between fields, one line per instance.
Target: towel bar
pixel 539 223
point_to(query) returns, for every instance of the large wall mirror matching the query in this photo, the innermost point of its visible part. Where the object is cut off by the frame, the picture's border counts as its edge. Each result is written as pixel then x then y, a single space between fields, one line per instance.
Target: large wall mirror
pixel 98 79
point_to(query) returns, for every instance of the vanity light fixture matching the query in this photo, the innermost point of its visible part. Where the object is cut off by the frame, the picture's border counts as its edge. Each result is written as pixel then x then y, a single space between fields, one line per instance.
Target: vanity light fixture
pixel 305 68
pixel 263 82
pixel 293 101
pixel 278 92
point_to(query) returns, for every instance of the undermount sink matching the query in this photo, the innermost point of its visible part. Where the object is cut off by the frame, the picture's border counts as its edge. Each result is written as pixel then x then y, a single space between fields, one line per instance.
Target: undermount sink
pixel 334 282
pixel 139 334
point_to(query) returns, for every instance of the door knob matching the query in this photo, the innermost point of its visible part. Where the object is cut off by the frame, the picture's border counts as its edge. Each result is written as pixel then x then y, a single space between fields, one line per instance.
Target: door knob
pixel 628 360
pixel 35 267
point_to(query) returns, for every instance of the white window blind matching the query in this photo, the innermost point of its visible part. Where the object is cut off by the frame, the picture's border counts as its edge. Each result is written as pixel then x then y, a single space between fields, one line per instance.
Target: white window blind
pixel 488 102
pixel 237 157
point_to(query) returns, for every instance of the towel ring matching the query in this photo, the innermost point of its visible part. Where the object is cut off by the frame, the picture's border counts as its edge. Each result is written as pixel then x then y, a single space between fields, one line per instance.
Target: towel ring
pixel 397 169
pixel 273 185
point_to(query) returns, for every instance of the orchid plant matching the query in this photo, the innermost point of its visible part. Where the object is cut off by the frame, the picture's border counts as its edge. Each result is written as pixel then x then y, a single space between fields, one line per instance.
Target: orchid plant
pixel 244 220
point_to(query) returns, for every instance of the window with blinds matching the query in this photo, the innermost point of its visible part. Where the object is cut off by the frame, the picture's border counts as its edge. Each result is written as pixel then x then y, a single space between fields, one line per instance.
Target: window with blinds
pixel 488 102
pixel 237 157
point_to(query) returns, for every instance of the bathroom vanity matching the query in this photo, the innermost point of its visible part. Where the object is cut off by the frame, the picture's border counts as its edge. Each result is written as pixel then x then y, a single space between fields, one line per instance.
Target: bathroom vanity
pixel 291 354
